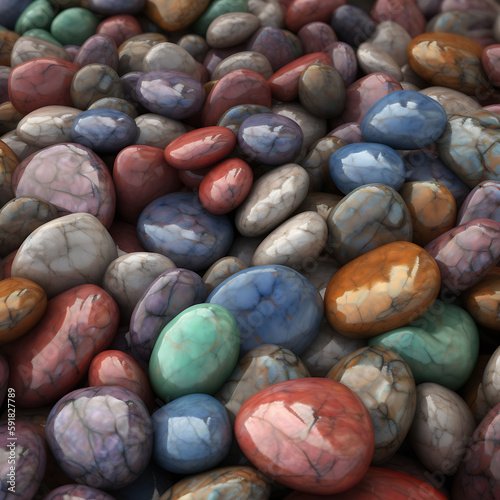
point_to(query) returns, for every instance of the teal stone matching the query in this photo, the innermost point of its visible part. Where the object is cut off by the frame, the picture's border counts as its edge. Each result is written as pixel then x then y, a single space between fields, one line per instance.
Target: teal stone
pixel 216 9
pixel 73 26
pixel 195 353
pixel 43 34
pixel 441 346
pixel 38 14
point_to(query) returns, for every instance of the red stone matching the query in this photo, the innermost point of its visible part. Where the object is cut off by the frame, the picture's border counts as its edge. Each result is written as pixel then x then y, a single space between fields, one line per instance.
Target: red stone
pixel 192 178
pixel 284 84
pixel 125 237
pixel 382 484
pixel 491 63
pixel 141 175
pixel 200 148
pixel 41 82
pixel 226 186
pixel 117 368
pixel 120 28
pixel 313 435
pixel 301 12
pixel 241 86
pixel 404 12
pixel 47 362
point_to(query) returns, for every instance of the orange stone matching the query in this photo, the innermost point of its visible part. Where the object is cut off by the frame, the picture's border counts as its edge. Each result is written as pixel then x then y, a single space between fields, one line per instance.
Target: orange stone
pixel 383 289
pixel 448 60
pixel 173 15
pixel 22 305
pixel 482 301
pixel 8 163
pixel 7 41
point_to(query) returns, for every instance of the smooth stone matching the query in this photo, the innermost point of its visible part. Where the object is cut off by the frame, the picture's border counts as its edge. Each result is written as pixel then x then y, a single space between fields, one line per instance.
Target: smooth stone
pixel 173 15
pixel 344 61
pixel 466 254
pixel 169 294
pixel 54 356
pixel 470 146
pixel 77 491
pixel 270 138
pixel 322 91
pixel 441 346
pixel 393 38
pixel 20 149
pixel 316 37
pixel 8 163
pixel 404 120
pixel 140 176
pixel 272 199
pixel 46 35
pixel 355 165
pixel 122 7
pixel 216 9
pixel 426 166
pixel 130 275
pixel 483 202
pixel 28 48
pixel 261 367
pixel 200 148
pixel 274 44
pixel 491 63
pixel 453 101
pixel 406 280
pixel 167 56
pixel 115 103
pixel 249 60
pixel 41 82
pixel 284 83
pixel 125 237
pixel 19 218
pixel 352 24
pixel 301 12
pixel 482 301
pixel 490 385
pixel 104 130
pixel 98 49
pixel 177 226
pixel 192 434
pixel 115 422
pixel 71 177
pixel 478 473
pixel 449 60
pixel 384 383
pixel 38 14
pixel 28 454
pixel 226 186
pixel 295 243
pixel 47 126
pixel 232 28
pixel 196 45
pixel 116 368
pixel 367 218
pixel 273 305
pixel 10 12
pixel 241 86
pixel 157 131
pixel 302 452
pixel 170 93
pixel 221 270
pixel 131 52
pixel 72 250
pixel 432 207
pixel 195 352
pixel 9 118
pixel 74 26
pixel 235 116
pixel 441 429
pixel 407 14
pixel 372 58
pixel 22 305
pixel 7 41
pixel 237 482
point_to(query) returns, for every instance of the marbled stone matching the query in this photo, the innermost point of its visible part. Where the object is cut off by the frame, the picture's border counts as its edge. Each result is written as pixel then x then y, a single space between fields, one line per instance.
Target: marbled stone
pixel 272 305
pixel 195 352
pixel 344 61
pixel 235 116
pixel 473 392
pixel 316 37
pixel 286 431
pixel 483 202
pixel 441 346
pixel 157 131
pixel 77 492
pixel 372 59
pixel 490 380
pixel 132 51
pixel 300 12
pixel 482 301
pixel 274 44
pixel 28 48
pixel 453 101
pixel 196 45
pixel 232 28
pixel 172 15
pixel 98 49
pixel 491 63
pixel 352 24
pixel 167 56
pixel 115 103
pixel 404 12
pixel 391 37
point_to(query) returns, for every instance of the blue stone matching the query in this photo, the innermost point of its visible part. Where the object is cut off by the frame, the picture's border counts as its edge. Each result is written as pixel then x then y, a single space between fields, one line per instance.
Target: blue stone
pixel 170 93
pixel 191 434
pixel 235 116
pixel 104 130
pixel 352 25
pixel 116 6
pixel 355 165
pixel 404 119
pixel 273 305
pixel 270 138
pixel 177 226
pixel 10 10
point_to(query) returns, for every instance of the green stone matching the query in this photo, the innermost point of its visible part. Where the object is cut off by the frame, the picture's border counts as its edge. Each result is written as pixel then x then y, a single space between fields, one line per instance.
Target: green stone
pixel 216 9
pixel 38 14
pixel 3 28
pixel 73 26
pixel 44 35
pixel 195 353
pixel 441 346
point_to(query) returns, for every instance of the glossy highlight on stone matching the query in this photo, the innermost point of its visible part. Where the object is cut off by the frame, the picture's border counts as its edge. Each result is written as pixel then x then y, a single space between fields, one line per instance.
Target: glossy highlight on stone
pixel 287 432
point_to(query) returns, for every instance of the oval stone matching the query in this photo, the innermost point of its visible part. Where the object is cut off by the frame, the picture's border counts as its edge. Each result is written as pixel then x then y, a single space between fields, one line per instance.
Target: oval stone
pixel 404 120
pixel 382 290
pixel 235 116
pixel 79 491
pixel 441 346
pixel 195 352
pixel 272 305
pixel 482 301
pixel 483 202
pixel 222 269
pixel 286 431
pixel 230 29
pixel 366 163
pixel 177 226
pixel 253 61
pixel 173 15
pixel 55 355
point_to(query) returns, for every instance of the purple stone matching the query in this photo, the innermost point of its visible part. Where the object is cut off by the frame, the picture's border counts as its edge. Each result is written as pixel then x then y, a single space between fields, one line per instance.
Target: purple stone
pixel 344 61
pixel 77 491
pixel 274 44
pixel 483 202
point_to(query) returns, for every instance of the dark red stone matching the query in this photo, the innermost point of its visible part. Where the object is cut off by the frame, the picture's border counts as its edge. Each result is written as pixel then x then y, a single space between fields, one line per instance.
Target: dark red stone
pixel 404 12
pixel 491 63
pixel 125 237
pixel 120 28
pixel 301 12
